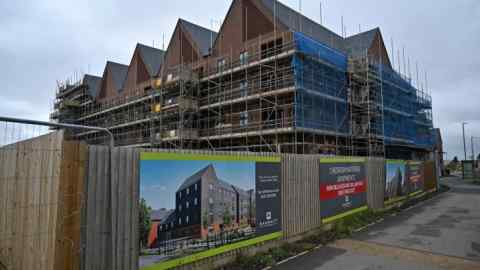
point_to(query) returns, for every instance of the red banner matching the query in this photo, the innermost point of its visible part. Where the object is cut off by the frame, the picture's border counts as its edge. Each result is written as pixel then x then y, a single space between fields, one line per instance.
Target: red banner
pixel 332 191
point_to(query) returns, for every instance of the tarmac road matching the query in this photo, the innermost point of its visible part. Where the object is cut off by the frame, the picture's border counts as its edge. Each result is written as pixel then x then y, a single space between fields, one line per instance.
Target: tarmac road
pixel 442 233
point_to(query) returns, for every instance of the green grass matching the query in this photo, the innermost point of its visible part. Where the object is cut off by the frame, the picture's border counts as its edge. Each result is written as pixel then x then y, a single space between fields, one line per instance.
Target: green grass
pixel 212 252
pixel 343 215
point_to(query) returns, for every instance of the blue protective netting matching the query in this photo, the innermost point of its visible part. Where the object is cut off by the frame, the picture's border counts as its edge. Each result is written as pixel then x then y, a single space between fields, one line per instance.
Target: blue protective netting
pixel 321 100
pixel 320 79
pixel 406 110
pixel 314 48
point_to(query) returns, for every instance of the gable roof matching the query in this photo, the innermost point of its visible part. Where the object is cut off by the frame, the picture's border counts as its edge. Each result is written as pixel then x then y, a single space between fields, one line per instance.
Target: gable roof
pixel 202 36
pixel 358 44
pixel 119 73
pixel 297 22
pixel 93 83
pixel 152 57
pixel 197 177
pixel 160 214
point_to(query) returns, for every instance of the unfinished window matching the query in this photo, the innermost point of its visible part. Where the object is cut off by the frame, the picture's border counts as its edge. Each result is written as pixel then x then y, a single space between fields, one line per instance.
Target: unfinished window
pixel 221 63
pixel 244 88
pixel 271 48
pixel 243 119
pixel 244 58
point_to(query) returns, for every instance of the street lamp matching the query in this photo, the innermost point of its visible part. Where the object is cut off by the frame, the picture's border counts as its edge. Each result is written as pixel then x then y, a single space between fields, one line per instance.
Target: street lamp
pixel 464 142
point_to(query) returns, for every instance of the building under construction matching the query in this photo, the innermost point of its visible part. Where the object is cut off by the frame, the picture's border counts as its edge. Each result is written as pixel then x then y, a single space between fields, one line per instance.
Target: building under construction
pixel 269 80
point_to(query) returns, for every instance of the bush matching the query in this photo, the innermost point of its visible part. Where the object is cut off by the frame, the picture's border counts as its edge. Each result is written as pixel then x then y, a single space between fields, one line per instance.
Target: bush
pixel 279 254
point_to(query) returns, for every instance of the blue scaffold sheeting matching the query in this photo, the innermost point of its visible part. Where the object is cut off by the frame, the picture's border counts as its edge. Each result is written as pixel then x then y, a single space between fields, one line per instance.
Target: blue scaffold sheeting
pixel 314 48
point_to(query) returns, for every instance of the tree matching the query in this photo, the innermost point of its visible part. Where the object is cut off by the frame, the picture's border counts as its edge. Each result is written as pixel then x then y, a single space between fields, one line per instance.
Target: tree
pixel 144 222
pixel 205 220
pixel 227 218
pixel 478 157
pixel 455 160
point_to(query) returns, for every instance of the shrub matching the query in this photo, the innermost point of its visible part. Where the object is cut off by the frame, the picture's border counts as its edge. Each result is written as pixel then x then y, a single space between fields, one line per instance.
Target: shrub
pixel 279 254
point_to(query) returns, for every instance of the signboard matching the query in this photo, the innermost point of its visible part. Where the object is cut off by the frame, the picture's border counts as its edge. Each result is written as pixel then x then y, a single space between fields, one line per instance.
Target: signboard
pixel 343 186
pixel 396 184
pixel 416 178
pixel 194 203
pixel 268 198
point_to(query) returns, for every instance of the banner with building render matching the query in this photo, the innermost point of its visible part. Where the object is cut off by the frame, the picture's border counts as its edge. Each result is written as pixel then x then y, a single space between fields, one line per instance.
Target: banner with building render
pixel 415 175
pixel 343 185
pixel 192 204
pixel 396 184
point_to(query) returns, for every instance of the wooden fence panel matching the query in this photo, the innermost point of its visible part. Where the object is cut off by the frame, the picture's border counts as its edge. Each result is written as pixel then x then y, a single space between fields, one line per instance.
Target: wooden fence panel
pixel 376 183
pixel 40 189
pixel 110 220
pixel 300 194
pixel 430 175
pixel 97 234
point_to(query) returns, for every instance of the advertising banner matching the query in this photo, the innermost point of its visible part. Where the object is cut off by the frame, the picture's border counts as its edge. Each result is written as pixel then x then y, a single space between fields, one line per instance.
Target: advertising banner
pixel 193 204
pixel 343 186
pixel 416 178
pixel 396 184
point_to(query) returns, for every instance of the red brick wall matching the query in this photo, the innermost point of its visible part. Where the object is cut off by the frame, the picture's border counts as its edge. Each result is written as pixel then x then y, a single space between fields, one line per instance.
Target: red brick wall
pixel 180 49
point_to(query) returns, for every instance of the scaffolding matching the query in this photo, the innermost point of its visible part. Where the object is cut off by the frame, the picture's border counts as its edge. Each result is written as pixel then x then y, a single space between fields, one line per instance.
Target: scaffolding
pixel 366 107
pixel 283 92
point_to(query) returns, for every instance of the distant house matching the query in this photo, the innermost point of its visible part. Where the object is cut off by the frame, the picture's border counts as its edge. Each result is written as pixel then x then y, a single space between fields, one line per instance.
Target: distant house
pixel 204 203
pixel 156 218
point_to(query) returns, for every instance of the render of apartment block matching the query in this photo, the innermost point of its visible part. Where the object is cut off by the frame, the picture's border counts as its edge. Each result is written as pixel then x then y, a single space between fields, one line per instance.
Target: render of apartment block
pixel 207 204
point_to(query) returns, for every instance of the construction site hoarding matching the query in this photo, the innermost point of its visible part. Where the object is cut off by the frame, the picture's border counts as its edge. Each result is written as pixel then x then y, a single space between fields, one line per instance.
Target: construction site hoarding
pixel 343 185
pixel 197 205
pixel 416 178
pixel 396 183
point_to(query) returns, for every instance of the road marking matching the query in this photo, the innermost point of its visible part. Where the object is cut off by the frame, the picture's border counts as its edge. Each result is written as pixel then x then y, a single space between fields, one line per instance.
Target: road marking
pixel 293 257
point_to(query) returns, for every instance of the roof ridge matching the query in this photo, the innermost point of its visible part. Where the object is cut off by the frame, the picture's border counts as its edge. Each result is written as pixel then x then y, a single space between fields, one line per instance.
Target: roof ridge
pixel 194 24
pixel 364 32
pixel 306 17
pixel 149 47
pixel 115 63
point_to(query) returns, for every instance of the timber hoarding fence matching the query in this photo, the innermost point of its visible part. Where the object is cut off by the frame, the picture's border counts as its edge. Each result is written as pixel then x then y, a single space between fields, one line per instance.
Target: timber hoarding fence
pixel 41 188
pixel 81 218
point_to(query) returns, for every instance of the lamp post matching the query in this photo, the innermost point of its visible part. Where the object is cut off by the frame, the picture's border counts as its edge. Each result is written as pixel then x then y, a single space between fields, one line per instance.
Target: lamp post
pixel 473 150
pixel 464 142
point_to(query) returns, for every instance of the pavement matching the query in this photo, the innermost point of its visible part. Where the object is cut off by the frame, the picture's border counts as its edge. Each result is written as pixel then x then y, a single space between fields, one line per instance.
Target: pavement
pixel 441 233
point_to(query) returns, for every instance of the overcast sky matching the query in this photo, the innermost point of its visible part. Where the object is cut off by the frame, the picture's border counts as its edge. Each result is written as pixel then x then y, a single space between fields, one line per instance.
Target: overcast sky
pixel 45 41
